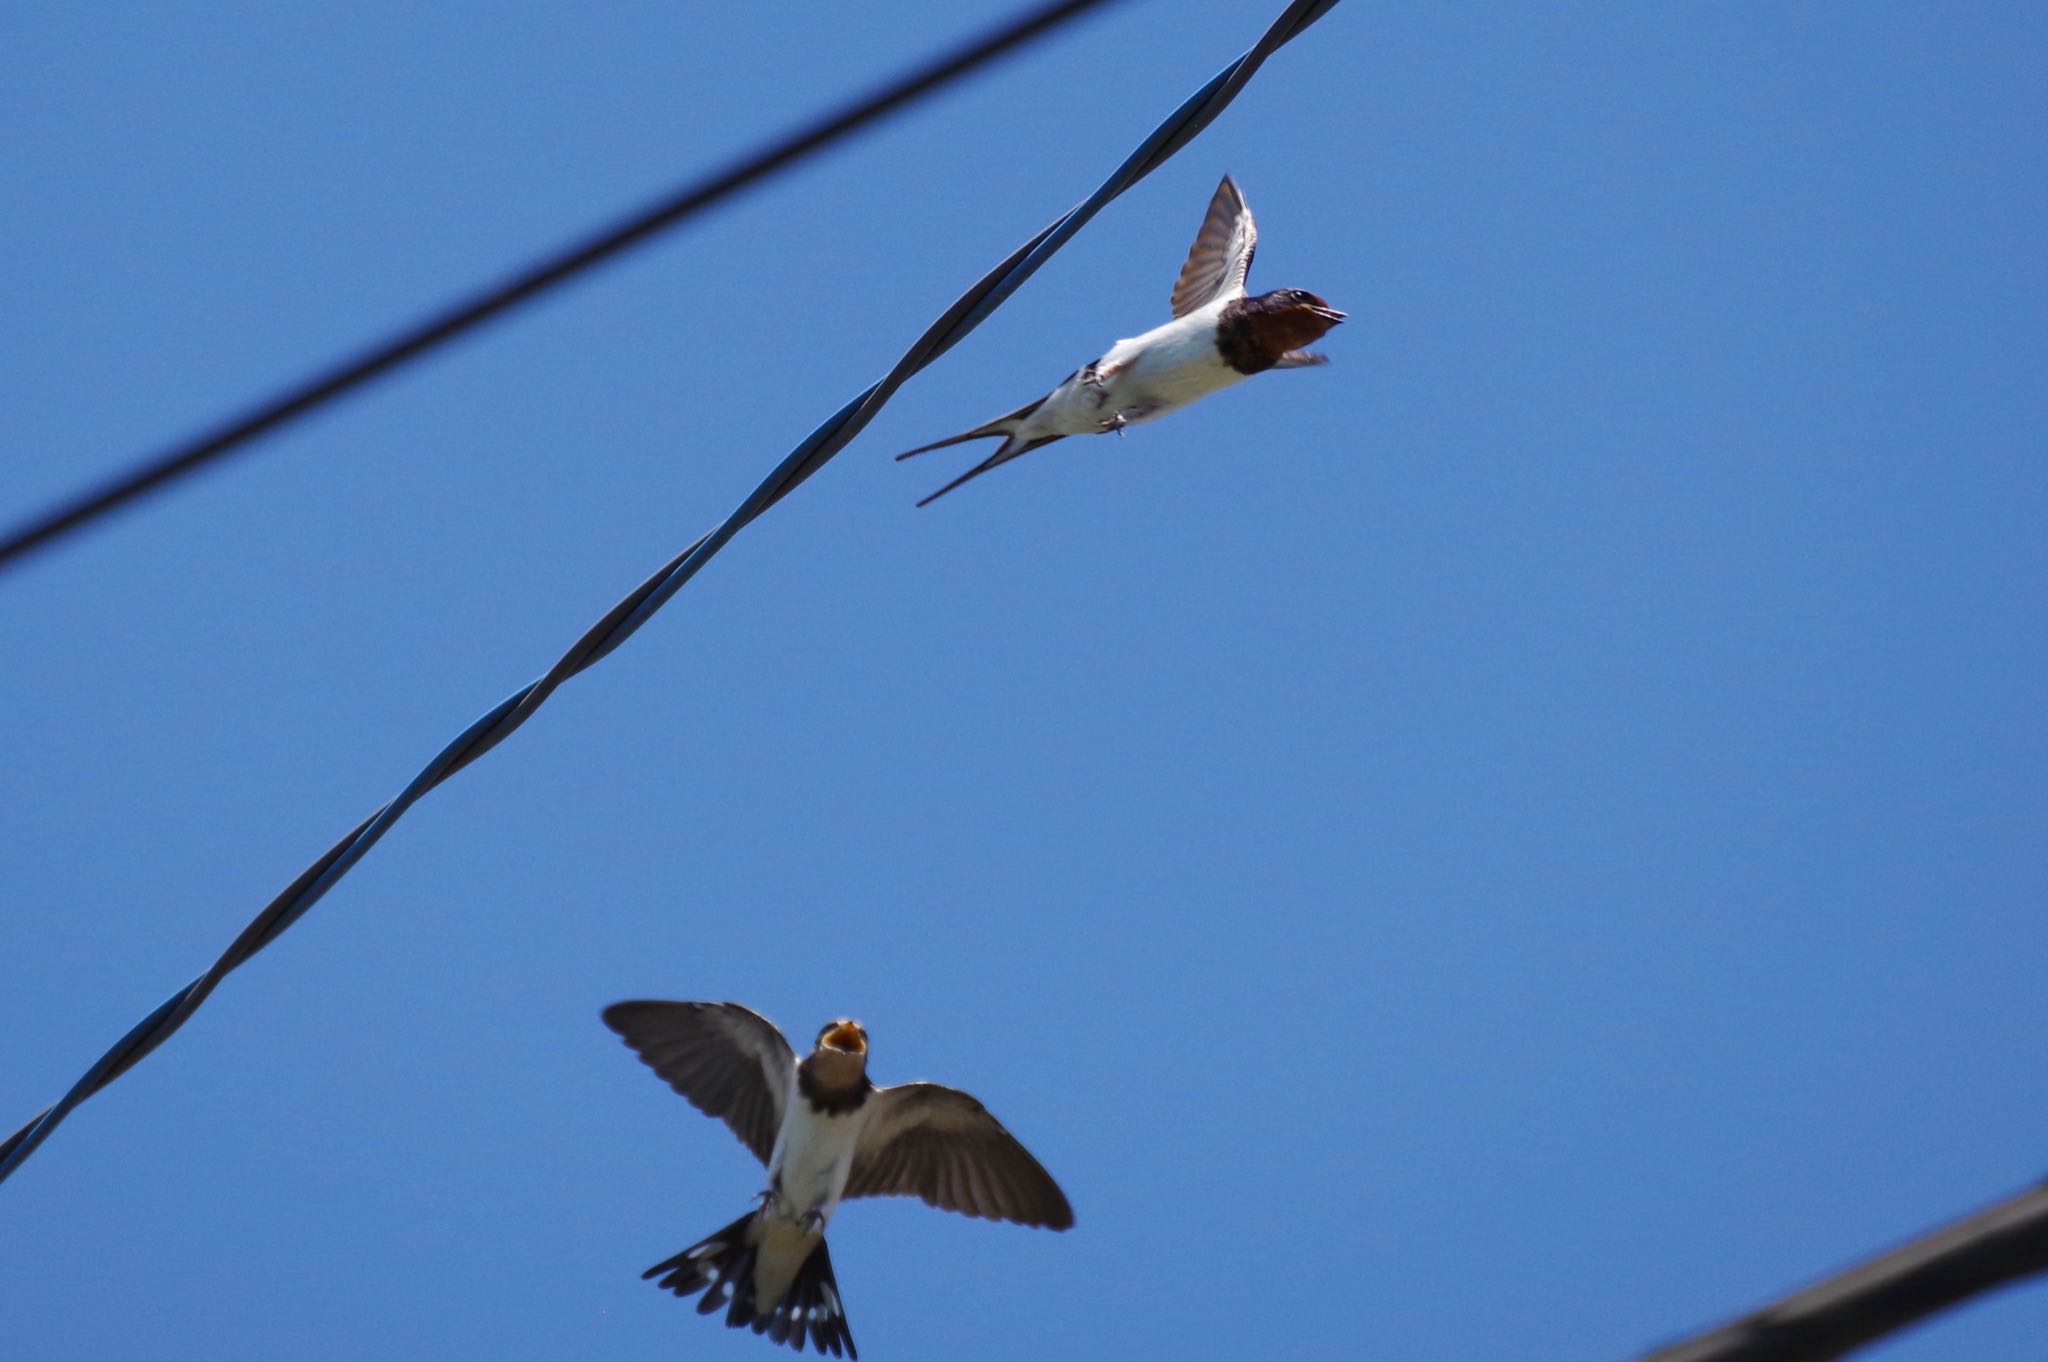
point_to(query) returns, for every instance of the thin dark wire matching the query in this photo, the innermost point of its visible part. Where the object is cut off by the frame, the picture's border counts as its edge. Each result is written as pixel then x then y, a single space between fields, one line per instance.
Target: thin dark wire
pixel 629 614
pixel 423 336
pixel 1870 1300
pixel 1861 1304
pixel 625 617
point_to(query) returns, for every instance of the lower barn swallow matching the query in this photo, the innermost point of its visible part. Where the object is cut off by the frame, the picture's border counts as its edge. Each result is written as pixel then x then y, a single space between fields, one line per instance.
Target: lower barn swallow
pixel 825 1131
pixel 1217 337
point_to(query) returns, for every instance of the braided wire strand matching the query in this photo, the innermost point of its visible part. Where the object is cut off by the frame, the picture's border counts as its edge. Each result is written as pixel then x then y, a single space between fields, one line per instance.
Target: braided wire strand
pixel 623 619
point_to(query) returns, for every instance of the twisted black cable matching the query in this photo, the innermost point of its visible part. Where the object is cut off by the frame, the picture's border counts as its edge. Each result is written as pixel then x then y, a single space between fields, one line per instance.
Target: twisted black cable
pixel 623 619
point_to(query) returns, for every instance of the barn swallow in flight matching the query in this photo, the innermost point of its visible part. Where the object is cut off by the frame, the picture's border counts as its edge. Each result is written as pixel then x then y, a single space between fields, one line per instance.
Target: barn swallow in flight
pixel 825 1131
pixel 1217 337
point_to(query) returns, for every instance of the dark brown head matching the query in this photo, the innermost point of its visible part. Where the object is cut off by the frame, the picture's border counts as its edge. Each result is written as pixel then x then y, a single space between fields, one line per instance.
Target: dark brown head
pixel 1254 333
pixel 834 1075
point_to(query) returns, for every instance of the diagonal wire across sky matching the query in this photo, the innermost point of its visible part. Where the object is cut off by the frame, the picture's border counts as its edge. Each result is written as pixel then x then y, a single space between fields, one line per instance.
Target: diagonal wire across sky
pixel 415 341
pixel 624 618
pixel 1826 1319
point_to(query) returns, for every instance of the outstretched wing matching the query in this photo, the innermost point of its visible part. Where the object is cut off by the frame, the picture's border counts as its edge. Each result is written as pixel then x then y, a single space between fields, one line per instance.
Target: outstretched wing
pixel 1221 255
pixel 938 1143
pixel 729 1060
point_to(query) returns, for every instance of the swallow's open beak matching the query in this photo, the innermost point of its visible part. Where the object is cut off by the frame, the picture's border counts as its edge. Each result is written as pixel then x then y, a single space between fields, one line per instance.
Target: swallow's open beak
pixel 1328 314
pixel 845 1037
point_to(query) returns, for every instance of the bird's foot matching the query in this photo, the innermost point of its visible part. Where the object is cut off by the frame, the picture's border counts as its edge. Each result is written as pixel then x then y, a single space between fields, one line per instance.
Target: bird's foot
pixel 1114 422
pixel 813 1222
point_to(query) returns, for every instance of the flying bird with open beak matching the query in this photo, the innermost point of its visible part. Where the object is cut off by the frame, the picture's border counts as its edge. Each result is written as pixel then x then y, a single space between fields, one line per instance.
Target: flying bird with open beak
pixel 825 1131
pixel 1218 336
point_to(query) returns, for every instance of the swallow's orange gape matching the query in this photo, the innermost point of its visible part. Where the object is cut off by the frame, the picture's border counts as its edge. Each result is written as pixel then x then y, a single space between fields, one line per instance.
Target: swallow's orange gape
pixel 1217 337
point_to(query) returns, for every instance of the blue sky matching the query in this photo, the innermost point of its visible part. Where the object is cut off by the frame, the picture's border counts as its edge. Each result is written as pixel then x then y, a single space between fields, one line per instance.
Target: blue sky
pixel 1525 841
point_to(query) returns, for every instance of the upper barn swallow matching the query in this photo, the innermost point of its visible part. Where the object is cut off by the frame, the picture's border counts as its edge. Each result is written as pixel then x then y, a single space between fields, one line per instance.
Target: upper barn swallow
pixel 1217 337
pixel 825 1131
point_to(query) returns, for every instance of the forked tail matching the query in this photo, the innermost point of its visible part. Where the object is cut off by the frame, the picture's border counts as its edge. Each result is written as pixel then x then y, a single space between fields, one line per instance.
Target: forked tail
pixel 722 1267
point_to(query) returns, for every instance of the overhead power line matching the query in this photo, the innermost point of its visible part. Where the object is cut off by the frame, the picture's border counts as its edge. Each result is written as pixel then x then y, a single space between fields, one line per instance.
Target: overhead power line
pixel 1826 1320
pixel 1862 1304
pixel 409 344
pixel 618 624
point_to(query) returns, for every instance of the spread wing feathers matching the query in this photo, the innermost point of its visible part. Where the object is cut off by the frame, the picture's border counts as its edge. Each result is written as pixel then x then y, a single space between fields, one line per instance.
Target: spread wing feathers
pixel 1002 425
pixel 1009 450
pixel 728 1060
pixel 1221 255
pixel 1300 359
pixel 938 1143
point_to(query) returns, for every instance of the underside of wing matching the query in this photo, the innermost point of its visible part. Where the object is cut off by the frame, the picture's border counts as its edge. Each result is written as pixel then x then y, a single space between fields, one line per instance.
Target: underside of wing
pixel 938 1143
pixel 728 1060
pixel 1222 253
